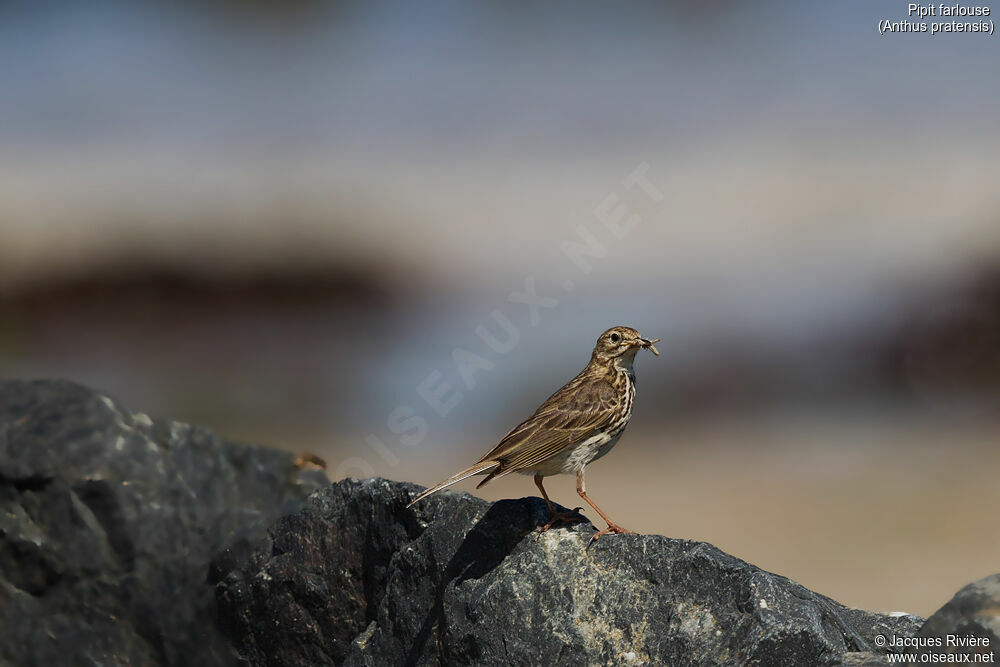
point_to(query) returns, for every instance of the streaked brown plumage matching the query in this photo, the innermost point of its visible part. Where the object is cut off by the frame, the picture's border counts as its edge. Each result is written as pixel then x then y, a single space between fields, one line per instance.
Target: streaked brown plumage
pixel 578 424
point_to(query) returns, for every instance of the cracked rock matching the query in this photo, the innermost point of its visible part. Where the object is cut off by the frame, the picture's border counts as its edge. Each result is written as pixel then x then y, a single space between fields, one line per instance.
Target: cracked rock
pixel 108 523
pixel 354 577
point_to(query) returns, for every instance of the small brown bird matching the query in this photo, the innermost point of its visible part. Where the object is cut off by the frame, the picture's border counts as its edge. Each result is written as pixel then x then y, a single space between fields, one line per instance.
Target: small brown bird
pixel 578 424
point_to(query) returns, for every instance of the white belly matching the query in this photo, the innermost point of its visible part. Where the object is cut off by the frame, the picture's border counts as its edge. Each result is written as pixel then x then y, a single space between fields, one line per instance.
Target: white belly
pixel 573 459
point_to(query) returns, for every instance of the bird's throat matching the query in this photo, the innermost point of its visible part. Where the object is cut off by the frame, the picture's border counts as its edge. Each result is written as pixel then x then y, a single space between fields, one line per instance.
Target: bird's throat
pixel 625 361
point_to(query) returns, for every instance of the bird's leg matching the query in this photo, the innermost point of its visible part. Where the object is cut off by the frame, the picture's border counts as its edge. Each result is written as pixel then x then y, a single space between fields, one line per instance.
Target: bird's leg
pixel 612 526
pixel 567 517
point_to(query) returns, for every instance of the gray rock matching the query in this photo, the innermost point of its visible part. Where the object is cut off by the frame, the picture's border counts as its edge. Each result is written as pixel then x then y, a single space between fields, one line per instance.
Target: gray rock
pixel 972 616
pixel 356 578
pixel 108 523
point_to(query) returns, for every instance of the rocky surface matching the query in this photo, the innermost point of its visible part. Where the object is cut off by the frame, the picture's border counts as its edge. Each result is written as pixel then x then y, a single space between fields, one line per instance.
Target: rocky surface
pixel 108 522
pixel 355 577
pixel 973 615
pixel 126 540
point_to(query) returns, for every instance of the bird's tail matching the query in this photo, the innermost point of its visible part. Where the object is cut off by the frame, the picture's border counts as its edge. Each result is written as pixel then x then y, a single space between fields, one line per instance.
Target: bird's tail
pixel 477 469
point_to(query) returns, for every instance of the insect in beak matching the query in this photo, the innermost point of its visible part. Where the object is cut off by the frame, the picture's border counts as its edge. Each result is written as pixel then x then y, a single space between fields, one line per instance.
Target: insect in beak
pixel 648 344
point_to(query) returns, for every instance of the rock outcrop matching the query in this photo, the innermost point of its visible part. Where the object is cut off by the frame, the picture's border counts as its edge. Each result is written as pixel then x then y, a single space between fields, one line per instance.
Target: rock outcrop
pixel 127 540
pixel 108 523
pixel 968 624
pixel 355 577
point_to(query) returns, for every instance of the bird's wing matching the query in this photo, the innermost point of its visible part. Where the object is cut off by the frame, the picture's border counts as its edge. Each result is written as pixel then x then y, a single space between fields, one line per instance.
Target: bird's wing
pixel 579 410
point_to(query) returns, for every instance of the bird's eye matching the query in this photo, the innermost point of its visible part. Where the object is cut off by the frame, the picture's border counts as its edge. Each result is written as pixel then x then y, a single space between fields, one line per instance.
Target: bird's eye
pixel 615 338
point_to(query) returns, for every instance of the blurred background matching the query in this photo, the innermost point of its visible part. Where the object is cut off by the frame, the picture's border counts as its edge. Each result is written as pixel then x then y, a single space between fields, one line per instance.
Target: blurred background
pixel 315 225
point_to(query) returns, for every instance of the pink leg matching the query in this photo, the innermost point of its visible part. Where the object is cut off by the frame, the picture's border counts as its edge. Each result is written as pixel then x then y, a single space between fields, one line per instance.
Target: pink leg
pixel 565 517
pixel 612 526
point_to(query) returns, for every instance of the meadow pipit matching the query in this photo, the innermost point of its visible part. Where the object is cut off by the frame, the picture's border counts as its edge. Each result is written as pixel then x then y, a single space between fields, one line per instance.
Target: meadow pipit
pixel 578 424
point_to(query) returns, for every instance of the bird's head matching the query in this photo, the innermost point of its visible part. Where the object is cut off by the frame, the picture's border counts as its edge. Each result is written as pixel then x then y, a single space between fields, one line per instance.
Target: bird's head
pixel 621 343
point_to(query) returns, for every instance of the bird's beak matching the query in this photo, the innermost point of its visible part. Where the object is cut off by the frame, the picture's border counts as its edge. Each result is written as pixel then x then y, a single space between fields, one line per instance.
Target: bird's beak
pixel 648 344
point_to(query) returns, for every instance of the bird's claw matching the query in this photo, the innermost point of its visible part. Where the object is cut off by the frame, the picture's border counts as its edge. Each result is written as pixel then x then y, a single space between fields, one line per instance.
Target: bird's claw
pixel 612 528
pixel 572 516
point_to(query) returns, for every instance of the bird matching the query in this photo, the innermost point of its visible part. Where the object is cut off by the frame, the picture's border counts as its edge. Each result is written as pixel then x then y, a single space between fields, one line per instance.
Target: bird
pixel 574 427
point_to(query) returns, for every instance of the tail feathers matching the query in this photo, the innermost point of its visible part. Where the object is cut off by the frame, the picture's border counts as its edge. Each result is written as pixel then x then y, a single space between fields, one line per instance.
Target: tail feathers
pixel 496 472
pixel 477 469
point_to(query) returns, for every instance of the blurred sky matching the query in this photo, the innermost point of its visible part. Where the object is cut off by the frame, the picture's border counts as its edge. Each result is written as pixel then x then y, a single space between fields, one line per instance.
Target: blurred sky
pixel 812 168
pixel 828 232
pixel 792 139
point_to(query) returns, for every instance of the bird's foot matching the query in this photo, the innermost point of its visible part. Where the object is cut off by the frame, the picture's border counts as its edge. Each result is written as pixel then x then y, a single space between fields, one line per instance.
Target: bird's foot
pixel 572 516
pixel 612 528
